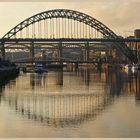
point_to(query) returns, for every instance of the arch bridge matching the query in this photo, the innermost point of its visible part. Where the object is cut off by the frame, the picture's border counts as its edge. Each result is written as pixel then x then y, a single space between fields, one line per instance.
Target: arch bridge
pixel 61 26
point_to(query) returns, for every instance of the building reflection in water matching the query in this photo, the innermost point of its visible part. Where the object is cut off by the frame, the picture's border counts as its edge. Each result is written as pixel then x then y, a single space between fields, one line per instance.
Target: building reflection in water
pixel 115 81
pixel 137 80
pixel 66 109
pixel 132 83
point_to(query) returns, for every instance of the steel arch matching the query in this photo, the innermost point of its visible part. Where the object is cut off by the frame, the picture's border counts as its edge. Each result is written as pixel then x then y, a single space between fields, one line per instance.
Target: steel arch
pixel 63 13
pixel 75 15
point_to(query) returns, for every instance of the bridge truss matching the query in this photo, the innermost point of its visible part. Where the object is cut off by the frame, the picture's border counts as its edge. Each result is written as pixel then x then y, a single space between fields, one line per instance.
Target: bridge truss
pixel 65 24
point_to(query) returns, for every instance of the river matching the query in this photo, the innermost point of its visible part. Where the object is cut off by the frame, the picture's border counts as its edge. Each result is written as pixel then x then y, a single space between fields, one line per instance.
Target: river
pixel 71 104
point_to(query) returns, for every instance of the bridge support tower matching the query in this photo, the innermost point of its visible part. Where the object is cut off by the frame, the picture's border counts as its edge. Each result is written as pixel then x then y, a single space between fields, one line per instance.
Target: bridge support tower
pixel 86 52
pixel 60 49
pixel 2 51
pixel 32 54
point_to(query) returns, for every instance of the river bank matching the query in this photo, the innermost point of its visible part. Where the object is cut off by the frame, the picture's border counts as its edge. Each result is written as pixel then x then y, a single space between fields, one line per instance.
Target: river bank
pixel 8 71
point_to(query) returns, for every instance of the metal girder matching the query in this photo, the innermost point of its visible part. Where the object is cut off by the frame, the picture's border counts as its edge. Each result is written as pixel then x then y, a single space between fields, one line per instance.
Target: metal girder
pixel 76 40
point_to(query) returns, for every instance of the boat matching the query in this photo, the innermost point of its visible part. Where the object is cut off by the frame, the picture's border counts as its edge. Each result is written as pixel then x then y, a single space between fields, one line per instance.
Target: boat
pixel 39 68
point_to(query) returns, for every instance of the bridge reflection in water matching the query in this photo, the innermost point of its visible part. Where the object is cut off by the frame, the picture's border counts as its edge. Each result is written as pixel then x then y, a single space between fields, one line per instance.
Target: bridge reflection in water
pixel 59 110
pixel 71 108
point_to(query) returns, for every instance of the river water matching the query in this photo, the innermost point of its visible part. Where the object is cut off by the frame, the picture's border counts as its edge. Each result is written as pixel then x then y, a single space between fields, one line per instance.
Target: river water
pixel 71 104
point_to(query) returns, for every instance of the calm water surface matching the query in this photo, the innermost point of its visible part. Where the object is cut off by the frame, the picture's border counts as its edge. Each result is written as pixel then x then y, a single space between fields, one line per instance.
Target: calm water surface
pixel 67 104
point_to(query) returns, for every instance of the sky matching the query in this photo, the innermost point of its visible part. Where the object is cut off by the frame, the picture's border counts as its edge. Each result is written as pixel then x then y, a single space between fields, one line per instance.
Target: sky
pixel 121 16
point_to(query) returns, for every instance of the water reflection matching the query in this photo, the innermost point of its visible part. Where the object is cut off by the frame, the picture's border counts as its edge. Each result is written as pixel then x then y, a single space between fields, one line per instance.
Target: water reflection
pixel 0 93
pixel 137 80
pixel 115 81
pixel 37 80
pixel 60 76
pixel 59 110
pixel 69 98
pixel 132 83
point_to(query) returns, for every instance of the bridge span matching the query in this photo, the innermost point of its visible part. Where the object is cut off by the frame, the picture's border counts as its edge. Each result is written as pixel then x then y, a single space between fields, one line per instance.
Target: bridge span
pixel 65 26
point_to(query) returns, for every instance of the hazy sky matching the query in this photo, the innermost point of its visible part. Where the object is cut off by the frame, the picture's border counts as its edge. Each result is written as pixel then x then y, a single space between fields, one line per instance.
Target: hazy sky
pixel 122 16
